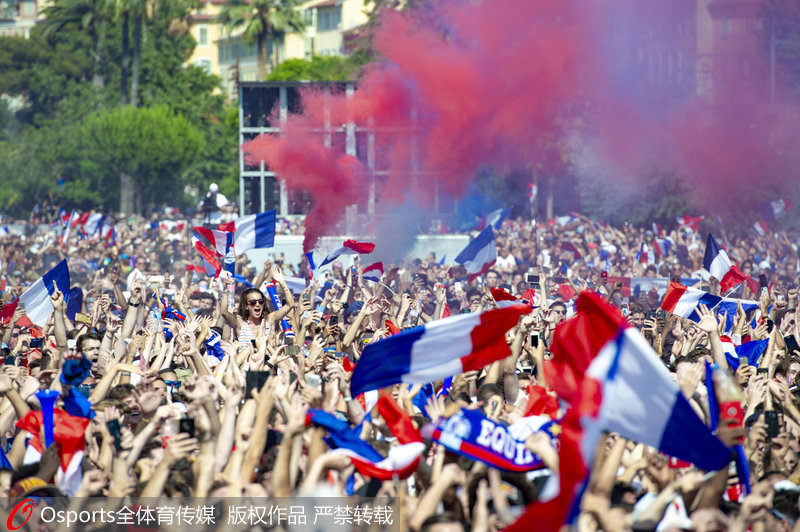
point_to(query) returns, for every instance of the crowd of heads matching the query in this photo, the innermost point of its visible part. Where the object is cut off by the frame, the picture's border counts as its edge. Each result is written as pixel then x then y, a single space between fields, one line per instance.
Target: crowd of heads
pixel 173 360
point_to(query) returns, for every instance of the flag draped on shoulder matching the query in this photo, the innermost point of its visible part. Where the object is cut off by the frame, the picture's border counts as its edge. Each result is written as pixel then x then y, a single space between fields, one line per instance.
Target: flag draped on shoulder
pixel 479 255
pixel 436 350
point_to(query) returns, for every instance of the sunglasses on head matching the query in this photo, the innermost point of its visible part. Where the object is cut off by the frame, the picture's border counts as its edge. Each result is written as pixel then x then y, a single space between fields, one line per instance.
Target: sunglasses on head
pixel 254 302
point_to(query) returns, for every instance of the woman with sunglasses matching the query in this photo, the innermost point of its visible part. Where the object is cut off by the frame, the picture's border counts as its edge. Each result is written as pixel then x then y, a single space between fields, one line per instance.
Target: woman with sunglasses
pixel 252 314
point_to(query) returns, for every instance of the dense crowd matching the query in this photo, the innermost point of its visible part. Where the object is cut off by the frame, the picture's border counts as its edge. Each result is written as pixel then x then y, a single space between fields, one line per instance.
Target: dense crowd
pixel 198 390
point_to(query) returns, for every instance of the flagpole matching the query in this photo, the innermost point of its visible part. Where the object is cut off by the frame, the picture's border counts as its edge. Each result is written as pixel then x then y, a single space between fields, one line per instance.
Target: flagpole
pixel 386 287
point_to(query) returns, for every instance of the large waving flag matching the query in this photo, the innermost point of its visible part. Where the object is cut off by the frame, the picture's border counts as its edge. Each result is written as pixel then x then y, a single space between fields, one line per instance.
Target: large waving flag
pixel 718 264
pixel 613 381
pixel 436 350
pixel 350 247
pixel 402 461
pixel 624 387
pixel 252 232
pixel 37 298
pixel 479 255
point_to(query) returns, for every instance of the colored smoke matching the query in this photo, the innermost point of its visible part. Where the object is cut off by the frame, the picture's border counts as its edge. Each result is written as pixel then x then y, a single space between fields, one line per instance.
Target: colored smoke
pixel 510 83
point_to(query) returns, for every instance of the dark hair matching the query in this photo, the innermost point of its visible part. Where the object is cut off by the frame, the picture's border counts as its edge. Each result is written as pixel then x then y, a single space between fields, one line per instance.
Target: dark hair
pixel 488 390
pixel 120 392
pixel 87 336
pixel 243 301
pixel 559 304
pixel 438 519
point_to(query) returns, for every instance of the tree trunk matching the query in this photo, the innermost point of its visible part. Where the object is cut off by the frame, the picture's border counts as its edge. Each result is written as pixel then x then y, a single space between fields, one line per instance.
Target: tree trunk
pixel 126 194
pixel 125 60
pixel 137 58
pixel 262 56
pixel 97 77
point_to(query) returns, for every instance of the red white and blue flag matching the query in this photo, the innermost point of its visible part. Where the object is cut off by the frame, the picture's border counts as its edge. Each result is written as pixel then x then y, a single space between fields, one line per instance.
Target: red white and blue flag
pixel 479 255
pixel 503 298
pixel 210 260
pixel 690 222
pixel 613 381
pixel 494 219
pixel 717 263
pixel 373 272
pixel 436 350
pixel 401 461
pixel 761 228
pixel 221 241
pixel 255 231
pixel 38 305
pixel 775 209
pixel 350 247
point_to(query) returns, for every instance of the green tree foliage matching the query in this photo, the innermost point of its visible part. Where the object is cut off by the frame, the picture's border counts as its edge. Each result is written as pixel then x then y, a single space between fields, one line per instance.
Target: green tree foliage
pixel 52 81
pixel 320 68
pixel 263 21
pixel 151 144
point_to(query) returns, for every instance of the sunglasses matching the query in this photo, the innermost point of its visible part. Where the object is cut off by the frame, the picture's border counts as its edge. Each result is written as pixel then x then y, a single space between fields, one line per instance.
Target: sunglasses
pixel 176 384
pixel 562 312
pixel 254 302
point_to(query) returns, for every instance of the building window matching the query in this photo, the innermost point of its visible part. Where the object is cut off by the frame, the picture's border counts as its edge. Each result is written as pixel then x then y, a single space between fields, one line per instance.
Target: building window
pixel 203 35
pixel 28 8
pixel 205 64
pixel 329 19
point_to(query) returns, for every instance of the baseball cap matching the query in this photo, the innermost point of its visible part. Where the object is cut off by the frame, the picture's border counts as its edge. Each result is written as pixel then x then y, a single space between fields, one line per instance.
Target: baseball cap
pixel 32 485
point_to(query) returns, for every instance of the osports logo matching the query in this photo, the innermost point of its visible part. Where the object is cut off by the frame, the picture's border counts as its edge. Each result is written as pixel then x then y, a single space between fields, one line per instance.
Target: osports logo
pixel 26 507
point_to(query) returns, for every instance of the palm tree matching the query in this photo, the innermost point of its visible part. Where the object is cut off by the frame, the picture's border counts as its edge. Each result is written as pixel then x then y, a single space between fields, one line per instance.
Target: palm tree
pixel 263 20
pixel 91 16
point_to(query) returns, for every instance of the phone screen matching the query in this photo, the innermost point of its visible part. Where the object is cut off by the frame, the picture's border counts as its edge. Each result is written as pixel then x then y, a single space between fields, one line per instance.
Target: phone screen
pixel 255 380
pixel 115 431
pixel 535 340
pixel 186 425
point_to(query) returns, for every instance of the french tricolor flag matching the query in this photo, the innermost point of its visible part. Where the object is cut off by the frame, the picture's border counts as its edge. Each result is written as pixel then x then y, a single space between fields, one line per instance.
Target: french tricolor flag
pixel 683 301
pixel 212 264
pixel 691 222
pixel 373 272
pixel 761 228
pixel 401 461
pixel 93 224
pixel 775 209
pixel 252 232
pixel 494 219
pixel 221 240
pixel 646 255
pixel 479 255
pixel 436 350
pixel 37 298
pixel 350 247
pixel 718 264
pixel 613 381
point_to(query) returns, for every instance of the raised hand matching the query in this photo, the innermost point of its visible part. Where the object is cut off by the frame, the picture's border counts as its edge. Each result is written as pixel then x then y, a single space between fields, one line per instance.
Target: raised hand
pixel 708 322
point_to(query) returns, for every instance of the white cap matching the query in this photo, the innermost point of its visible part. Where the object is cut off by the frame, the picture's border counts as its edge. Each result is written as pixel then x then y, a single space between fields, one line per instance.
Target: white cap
pixel 213 187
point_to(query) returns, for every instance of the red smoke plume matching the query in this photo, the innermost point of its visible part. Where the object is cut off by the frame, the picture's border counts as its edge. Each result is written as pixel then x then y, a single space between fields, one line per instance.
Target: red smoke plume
pixel 505 82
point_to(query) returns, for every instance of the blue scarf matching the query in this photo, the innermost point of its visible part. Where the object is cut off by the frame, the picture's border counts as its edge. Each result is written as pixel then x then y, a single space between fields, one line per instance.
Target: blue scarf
pixel 471 434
